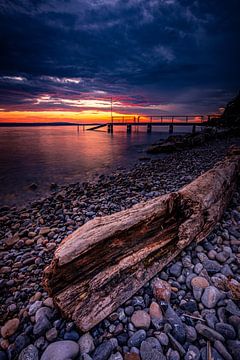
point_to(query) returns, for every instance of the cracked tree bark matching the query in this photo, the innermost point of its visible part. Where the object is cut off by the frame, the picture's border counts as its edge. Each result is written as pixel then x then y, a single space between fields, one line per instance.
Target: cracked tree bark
pixel 104 262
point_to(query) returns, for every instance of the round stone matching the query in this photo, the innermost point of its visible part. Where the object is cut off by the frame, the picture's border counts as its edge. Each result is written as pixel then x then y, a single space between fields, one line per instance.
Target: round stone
pixel 141 319
pixel 210 297
pixel 137 338
pixel 199 282
pixel 61 350
pixel 9 328
pixel 86 344
pixel 161 290
pixel 29 353
pixel 155 311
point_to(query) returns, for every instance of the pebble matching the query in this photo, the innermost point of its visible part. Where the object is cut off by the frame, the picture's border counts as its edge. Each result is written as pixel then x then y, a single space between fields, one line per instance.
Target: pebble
pixel 148 352
pixel 234 348
pixel 29 353
pixel 209 333
pixel 193 353
pixel 210 297
pixel 61 350
pixel 116 356
pixel 176 269
pixel 226 330
pixel 155 311
pixel 222 350
pixel 10 327
pixel 161 290
pixel 211 266
pixel 137 338
pixel 141 319
pixel 51 334
pixel 86 344
pixel 103 351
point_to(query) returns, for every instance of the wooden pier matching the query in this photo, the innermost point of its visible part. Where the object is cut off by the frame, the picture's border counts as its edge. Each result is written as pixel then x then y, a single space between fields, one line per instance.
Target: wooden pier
pixel 149 121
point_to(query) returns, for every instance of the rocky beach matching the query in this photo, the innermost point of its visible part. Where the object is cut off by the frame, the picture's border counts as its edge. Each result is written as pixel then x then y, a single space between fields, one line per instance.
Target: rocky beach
pixel 190 310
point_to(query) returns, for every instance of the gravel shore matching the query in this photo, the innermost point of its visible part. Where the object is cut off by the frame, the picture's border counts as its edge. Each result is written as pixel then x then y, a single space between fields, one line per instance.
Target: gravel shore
pixel 197 309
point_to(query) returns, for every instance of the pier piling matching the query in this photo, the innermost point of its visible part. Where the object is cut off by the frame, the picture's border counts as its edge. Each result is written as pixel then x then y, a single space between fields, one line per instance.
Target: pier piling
pixel 149 128
pixel 129 128
pixel 170 129
pixel 110 128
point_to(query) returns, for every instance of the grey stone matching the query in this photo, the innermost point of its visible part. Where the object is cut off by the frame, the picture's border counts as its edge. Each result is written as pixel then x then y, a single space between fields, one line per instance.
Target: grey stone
pixel 34 307
pixel 86 357
pixel 103 351
pixel 226 270
pixel 178 329
pixel 61 350
pixel 193 353
pixel 172 354
pixel 210 297
pixel 222 256
pixel 198 268
pixel 29 353
pixel 234 320
pixel 116 356
pixel 41 326
pixel 211 320
pixel 163 338
pixel 215 354
pixel 44 312
pixel 147 352
pixel 211 266
pixel 176 345
pixel 232 308
pixel 208 333
pixel 155 344
pixel 51 334
pixel 191 334
pixel 234 348
pixel 136 339
pixel 226 330
pixel 176 269
pixel 86 343
pixel 222 350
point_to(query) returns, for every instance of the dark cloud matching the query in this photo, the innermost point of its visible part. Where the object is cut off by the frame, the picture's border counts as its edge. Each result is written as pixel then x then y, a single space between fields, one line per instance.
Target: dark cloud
pixel 145 53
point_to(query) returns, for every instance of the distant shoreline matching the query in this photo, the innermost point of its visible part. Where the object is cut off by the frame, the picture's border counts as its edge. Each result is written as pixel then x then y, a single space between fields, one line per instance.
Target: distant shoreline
pixel 7 124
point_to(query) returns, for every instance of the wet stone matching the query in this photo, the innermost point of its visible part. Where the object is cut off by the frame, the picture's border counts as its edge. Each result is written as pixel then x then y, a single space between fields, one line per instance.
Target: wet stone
pixel 208 333
pixel 233 347
pixel 226 330
pixel 86 344
pixel 103 351
pixel 211 266
pixel 29 353
pixel 176 269
pixel 141 319
pixel 193 353
pixel 137 338
pixel 148 352
pixel 222 350
pixel 61 350
pixel 210 297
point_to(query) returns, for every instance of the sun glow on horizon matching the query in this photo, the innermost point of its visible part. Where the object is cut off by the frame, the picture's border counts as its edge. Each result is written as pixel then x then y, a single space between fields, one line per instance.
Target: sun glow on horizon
pixel 57 116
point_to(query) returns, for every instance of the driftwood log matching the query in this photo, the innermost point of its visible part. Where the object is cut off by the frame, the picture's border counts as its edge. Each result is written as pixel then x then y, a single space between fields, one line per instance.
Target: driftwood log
pixel 103 263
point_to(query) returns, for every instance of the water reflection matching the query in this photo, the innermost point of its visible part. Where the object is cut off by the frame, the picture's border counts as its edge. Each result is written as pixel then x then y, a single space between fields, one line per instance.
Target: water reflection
pixel 43 155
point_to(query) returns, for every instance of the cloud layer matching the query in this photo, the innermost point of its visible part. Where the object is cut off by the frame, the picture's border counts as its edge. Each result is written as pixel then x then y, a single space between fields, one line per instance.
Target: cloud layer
pixel 150 56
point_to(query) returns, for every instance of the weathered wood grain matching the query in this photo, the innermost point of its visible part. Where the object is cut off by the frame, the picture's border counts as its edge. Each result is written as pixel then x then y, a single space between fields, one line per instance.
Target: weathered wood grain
pixel 107 260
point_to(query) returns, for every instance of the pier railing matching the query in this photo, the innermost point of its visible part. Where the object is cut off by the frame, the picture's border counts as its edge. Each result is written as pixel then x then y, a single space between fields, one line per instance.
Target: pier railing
pixel 157 118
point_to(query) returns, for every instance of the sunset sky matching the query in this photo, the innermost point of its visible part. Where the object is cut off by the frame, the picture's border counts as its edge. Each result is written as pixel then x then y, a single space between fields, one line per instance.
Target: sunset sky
pixel 64 59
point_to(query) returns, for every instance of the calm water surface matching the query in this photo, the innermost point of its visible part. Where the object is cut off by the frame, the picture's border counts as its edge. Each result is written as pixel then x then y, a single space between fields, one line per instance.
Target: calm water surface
pixel 61 154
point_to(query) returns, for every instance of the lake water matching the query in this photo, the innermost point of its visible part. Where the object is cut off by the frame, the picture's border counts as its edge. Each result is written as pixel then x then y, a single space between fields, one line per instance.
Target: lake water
pixel 62 154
